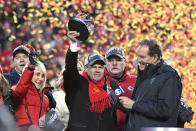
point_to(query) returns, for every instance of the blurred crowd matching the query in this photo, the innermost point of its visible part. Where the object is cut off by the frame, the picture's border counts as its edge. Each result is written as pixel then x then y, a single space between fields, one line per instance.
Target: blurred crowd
pixel 42 24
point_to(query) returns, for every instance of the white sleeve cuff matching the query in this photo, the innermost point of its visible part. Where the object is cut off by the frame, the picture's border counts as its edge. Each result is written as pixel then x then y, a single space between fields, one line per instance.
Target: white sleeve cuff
pixel 73 47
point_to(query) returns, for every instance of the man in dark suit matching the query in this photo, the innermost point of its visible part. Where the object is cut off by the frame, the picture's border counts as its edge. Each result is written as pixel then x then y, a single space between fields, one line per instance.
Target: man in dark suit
pixel 156 96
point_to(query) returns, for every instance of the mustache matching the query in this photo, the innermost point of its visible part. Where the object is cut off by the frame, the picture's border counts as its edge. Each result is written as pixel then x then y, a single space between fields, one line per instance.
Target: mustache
pixel 114 67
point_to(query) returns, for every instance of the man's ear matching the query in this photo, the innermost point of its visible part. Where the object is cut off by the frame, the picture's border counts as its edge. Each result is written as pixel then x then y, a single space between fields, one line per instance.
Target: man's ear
pixel 125 60
pixel 156 58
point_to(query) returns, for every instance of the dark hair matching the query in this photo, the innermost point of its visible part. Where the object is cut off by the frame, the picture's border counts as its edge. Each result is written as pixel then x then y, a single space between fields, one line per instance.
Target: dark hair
pixel 153 46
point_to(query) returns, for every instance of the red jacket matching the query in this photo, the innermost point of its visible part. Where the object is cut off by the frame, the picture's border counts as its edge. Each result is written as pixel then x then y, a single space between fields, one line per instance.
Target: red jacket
pixel 26 97
pixel 127 83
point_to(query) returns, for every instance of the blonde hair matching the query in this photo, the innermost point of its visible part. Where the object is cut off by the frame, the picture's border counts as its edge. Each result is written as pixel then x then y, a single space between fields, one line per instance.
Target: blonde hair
pixel 41 66
pixel 4 86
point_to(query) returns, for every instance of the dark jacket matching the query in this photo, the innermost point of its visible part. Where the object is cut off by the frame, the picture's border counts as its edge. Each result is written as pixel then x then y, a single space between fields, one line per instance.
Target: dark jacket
pixel 13 77
pixel 157 96
pixel 77 99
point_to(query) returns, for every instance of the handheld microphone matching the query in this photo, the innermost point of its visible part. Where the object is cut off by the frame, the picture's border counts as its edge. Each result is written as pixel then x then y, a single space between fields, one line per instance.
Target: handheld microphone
pixel 118 91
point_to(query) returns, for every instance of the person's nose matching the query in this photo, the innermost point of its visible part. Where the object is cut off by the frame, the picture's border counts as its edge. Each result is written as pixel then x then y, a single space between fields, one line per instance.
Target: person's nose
pixel 22 59
pixel 41 79
pixel 114 62
pixel 139 59
pixel 98 69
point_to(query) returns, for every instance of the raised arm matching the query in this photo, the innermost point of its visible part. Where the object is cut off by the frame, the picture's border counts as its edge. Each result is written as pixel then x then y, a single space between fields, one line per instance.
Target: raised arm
pixel 71 73
pixel 20 90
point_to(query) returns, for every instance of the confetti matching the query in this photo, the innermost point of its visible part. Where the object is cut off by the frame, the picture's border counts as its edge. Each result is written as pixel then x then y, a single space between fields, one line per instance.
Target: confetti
pixel 42 23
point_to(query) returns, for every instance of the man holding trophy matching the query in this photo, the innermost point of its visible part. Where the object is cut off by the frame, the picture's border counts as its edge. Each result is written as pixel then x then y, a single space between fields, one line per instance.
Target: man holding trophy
pixel 86 97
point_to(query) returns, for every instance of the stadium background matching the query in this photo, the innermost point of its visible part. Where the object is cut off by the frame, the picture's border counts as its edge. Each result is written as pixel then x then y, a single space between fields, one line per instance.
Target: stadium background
pixel 42 24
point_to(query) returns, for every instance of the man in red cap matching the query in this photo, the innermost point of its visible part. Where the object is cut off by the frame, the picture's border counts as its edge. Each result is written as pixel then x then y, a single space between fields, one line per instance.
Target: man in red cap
pixel 20 59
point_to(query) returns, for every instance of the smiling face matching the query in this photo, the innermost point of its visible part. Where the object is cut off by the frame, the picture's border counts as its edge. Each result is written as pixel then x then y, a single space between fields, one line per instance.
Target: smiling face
pixel 20 60
pixel 96 71
pixel 38 78
pixel 115 66
pixel 144 58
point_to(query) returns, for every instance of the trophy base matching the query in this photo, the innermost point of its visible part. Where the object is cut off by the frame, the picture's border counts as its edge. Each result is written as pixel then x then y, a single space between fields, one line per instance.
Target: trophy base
pixel 76 25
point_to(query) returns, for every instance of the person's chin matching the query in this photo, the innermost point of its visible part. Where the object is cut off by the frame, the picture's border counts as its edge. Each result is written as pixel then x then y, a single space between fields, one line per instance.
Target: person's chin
pixel 115 75
pixel 21 68
pixel 142 67
pixel 38 87
pixel 97 78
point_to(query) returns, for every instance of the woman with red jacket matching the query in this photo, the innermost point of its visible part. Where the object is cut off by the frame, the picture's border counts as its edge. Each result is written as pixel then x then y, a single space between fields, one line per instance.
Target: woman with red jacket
pixel 30 101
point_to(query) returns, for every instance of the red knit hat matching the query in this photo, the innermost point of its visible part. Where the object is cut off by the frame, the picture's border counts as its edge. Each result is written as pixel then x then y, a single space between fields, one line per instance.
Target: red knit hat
pixel 24 49
pixel 21 49
pixel 31 48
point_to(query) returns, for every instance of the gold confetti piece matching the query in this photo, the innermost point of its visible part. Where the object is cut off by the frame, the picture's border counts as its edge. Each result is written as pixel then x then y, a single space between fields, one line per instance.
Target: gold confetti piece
pixel 18 26
pixel 40 31
pixel 30 4
pixel 15 19
pixel 50 56
pixel 33 32
pixel 30 15
pixel 12 37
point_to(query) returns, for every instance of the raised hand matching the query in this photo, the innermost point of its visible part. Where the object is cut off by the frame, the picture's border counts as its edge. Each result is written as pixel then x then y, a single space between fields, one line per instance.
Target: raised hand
pixel 72 36
pixel 32 58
